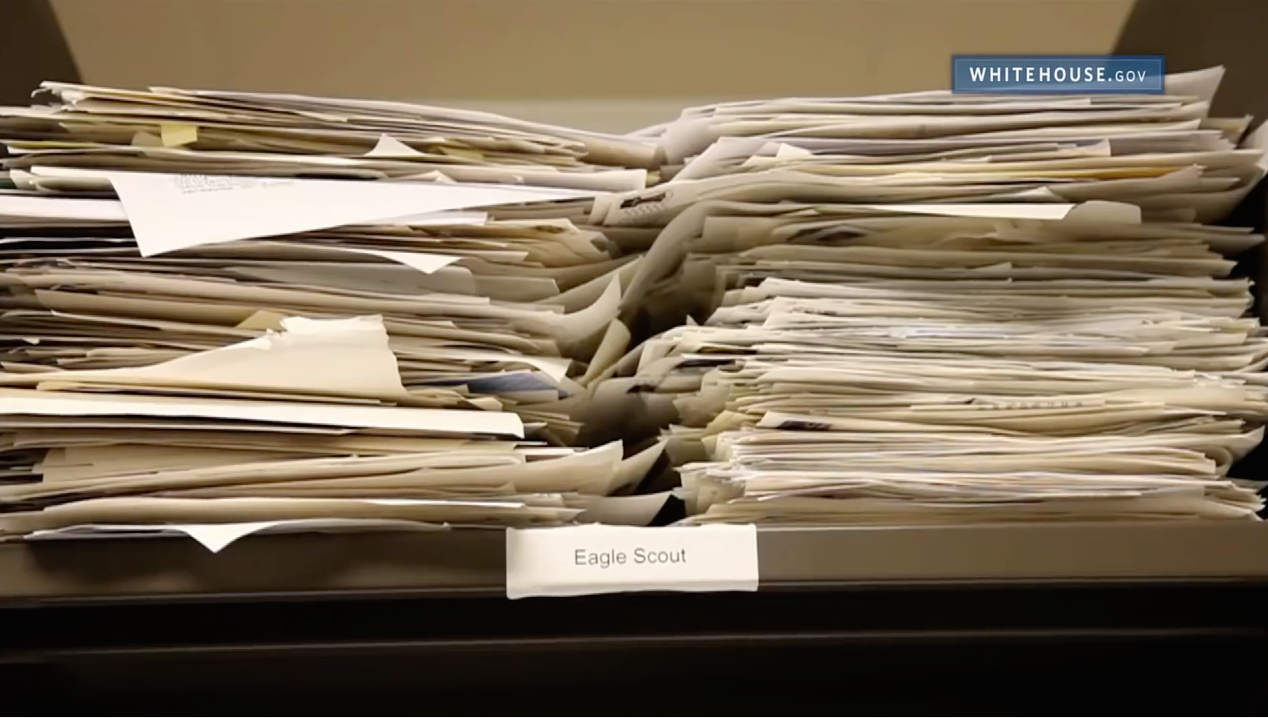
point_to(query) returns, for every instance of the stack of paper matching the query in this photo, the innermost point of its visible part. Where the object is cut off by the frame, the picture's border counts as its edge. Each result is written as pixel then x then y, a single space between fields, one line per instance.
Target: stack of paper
pixel 933 308
pixel 494 314
pixel 275 135
pixel 894 309
pixel 1161 152
pixel 276 352
pixel 310 427
pixel 955 363
pixel 974 140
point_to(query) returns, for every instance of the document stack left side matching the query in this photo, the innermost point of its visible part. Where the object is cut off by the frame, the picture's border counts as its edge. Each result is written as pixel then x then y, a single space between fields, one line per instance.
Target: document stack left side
pixel 230 313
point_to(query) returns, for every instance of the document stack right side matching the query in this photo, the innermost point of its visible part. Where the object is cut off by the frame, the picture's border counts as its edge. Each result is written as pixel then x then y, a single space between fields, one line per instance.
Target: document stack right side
pixel 941 309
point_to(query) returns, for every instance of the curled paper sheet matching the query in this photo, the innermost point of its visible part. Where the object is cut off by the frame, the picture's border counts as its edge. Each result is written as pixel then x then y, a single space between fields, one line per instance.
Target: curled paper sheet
pixel 296 360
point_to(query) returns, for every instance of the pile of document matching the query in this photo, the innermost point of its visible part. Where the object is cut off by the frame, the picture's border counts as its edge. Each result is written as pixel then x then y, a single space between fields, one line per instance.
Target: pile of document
pixel 275 135
pixel 1160 152
pixel 260 353
pixel 231 312
pixel 305 428
pixel 504 311
pixel 933 309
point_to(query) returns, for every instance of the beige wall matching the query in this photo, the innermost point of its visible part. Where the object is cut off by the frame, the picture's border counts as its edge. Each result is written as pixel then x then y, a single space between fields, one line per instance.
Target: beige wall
pixel 608 64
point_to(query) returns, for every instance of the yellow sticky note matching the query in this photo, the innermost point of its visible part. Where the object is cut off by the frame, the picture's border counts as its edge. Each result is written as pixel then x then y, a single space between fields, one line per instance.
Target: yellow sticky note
pixel 179 135
pixel 262 319
pixel 146 139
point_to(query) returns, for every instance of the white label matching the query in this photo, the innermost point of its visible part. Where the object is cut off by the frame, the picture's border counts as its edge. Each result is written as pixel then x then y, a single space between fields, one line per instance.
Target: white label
pixel 591 559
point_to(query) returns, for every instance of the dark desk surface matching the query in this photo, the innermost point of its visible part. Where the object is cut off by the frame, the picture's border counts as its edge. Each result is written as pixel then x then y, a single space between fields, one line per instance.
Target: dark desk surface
pixel 1132 618
pixel 473 562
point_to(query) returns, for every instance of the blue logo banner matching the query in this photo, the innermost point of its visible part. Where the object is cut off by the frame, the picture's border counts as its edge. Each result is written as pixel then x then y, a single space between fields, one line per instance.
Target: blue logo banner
pixel 1058 74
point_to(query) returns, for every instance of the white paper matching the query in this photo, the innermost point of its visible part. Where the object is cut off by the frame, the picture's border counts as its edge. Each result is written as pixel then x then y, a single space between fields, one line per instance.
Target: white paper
pixel 997 211
pixel 389 146
pixel 296 360
pixel 433 219
pixel 422 261
pixel 171 212
pixel 595 559
pixel 637 510
pixel 217 537
pixel 80 209
pixel 443 421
